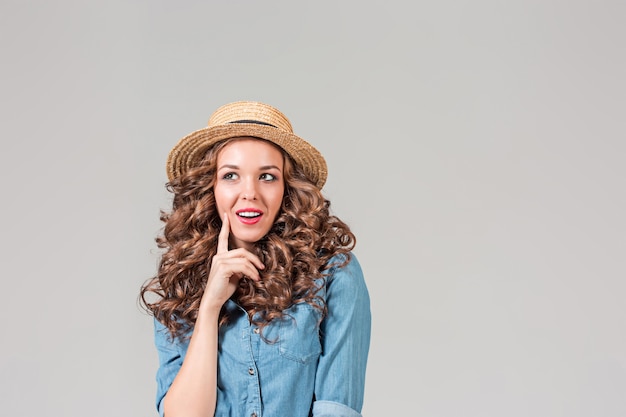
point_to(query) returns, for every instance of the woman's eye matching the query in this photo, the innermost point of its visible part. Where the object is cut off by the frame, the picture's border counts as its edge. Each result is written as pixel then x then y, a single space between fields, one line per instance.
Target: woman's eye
pixel 267 177
pixel 229 176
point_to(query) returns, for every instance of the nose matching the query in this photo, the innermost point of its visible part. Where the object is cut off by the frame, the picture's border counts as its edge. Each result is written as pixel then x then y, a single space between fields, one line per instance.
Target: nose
pixel 249 191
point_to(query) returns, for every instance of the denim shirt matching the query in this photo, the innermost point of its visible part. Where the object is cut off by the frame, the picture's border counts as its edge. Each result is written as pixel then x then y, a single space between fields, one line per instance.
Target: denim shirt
pixel 301 369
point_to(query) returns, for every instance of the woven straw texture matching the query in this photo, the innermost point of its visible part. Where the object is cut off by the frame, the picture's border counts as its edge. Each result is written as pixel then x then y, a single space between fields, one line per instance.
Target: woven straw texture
pixel 238 119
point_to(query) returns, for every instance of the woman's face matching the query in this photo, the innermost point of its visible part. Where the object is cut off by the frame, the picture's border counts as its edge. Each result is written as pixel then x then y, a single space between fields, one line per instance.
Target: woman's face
pixel 249 188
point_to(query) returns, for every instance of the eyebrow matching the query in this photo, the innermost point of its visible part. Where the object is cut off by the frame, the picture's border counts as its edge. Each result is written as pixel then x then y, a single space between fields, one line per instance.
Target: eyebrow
pixel 262 168
pixel 266 167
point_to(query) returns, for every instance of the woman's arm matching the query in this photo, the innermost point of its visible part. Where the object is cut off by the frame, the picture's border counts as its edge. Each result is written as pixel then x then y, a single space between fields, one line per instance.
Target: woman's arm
pixel 194 389
pixel 186 378
pixel 340 379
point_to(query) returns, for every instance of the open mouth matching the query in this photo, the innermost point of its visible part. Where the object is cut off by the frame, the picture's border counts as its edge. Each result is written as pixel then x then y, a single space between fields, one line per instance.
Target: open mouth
pixel 249 215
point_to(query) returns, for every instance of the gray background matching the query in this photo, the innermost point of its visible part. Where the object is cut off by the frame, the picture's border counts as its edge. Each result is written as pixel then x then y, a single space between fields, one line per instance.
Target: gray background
pixel 475 147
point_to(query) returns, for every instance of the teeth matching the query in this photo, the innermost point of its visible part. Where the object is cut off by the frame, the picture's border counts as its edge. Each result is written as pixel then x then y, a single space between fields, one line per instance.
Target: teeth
pixel 249 214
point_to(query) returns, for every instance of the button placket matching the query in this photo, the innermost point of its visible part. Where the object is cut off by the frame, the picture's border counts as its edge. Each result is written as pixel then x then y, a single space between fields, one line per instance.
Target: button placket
pixel 254 393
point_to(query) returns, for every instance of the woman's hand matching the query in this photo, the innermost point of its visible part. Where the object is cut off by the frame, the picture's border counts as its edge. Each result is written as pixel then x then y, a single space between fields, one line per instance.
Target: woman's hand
pixel 194 389
pixel 227 268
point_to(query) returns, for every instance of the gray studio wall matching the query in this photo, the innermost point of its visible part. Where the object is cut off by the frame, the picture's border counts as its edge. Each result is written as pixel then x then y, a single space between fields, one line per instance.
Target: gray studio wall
pixel 476 148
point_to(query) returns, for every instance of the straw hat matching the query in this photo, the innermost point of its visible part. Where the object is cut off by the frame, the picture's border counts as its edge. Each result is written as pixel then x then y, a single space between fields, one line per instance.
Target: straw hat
pixel 247 118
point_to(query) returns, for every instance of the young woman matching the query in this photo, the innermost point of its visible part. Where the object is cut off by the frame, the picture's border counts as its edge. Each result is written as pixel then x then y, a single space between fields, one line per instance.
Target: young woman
pixel 261 309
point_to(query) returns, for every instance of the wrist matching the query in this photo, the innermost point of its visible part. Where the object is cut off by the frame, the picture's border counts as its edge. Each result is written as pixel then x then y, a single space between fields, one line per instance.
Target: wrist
pixel 209 310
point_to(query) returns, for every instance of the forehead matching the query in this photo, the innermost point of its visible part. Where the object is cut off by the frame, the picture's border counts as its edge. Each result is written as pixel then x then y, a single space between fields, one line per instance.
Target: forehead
pixel 250 150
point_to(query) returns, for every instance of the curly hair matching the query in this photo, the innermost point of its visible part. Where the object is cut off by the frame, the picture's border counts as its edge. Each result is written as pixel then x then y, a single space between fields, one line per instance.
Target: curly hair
pixel 296 251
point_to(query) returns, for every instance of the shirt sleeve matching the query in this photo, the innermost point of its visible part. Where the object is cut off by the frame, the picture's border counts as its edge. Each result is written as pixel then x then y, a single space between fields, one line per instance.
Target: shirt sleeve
pixel 170 361
pixel 340 378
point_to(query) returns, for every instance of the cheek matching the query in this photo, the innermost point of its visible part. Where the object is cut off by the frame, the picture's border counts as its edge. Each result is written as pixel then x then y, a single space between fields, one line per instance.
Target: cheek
pixel 277 200
pixel 222 198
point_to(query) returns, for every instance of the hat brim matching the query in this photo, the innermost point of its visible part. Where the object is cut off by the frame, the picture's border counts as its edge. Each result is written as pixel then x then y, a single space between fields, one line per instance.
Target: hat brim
pixel 191 149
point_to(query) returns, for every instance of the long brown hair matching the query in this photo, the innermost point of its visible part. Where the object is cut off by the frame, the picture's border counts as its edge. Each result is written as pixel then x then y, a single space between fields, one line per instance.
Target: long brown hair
pixel 296 251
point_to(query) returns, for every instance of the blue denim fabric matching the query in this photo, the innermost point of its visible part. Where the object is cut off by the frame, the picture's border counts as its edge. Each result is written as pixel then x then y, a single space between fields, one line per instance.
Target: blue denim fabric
pixel 301 370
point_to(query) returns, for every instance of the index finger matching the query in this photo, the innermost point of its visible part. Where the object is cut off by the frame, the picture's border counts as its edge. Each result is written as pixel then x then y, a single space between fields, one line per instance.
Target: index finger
pixel 222 239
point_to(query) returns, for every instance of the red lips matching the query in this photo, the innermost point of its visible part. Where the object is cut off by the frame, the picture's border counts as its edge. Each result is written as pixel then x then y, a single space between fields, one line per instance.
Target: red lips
pixel 249 215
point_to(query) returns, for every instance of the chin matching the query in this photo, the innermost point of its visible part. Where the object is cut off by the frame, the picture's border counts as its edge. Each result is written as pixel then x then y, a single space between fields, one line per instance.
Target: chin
pixel 249 239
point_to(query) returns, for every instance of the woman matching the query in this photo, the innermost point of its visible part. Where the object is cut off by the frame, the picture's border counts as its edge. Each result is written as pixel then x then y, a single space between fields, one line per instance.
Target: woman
pixel 261 307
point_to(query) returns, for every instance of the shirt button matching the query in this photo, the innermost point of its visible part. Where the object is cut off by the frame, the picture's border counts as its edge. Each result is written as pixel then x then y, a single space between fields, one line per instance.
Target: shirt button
pixel 251 371
pixel 253 415
pixel 256 330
